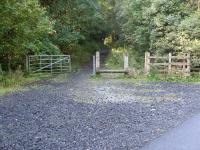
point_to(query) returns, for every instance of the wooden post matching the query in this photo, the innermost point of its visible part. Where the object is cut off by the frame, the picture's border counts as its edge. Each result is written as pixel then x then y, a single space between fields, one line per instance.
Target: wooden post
pixel 51 65
pixel 27 64
pixel 126 61
pixel 126 67
pixel 1 71
pixel 184 70
pixel 97 60
pixel 94 66
pixel 70 64
pixel 61 62
pixel 40 62
pixel 147 63
pixel 170 63
pixel 188 64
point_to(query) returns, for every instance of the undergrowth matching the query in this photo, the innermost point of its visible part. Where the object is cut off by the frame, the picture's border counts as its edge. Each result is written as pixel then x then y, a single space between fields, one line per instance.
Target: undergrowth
pixel 151 78
pixel 173 78
pixel 15 80
pixel 115 60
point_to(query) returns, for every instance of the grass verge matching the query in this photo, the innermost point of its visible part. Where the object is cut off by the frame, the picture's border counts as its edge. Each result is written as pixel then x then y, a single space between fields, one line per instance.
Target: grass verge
pixel 151 78
pixel 16 81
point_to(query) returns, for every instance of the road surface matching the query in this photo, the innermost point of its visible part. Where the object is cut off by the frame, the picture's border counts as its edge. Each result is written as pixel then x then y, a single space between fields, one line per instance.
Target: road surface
pixel 184 137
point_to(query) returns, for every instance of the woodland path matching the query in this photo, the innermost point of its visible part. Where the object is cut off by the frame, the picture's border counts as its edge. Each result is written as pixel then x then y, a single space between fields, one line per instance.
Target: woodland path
pixel 84 113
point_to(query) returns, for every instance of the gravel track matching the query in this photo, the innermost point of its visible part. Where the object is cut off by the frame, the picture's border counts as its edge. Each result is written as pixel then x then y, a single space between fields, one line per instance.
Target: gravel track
pixel 83 113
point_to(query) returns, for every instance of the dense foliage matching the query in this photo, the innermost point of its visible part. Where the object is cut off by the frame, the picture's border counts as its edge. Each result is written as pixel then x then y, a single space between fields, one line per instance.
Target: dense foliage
pixel 160 26
pixel 24 29
pixel 79 27
pixel 48 27
pixel 76 22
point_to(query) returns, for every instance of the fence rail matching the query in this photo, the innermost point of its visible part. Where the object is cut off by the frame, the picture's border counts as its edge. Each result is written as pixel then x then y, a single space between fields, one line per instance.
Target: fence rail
pixel 169 64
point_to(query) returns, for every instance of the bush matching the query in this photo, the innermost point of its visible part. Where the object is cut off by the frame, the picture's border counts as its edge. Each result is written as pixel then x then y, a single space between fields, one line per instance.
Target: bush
pixel 24 29
pixel 82 53
pixel 115 59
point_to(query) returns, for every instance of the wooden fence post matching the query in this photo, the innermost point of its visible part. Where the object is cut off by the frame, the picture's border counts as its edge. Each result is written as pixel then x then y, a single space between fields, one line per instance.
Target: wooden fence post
pixel 170 63
pixel 27 63
pixel 51 65
pixel 188 64
pixel 184 71
pixel 40 62
pixel 70 63
pixel 94 66
pixel 97 60
pixel 126 62
pixel 1 71
pixel 147 63
pixel 61 62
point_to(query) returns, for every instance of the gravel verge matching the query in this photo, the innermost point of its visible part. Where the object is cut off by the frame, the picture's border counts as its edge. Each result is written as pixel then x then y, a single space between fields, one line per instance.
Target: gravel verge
pixel 83 113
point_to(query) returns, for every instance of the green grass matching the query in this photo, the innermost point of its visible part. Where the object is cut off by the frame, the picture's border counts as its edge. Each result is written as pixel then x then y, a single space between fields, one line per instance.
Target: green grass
pixel 153 77
pixel 7 90
pixel 115 61
pixel 60 78
pixel 173 78
pixel 15 81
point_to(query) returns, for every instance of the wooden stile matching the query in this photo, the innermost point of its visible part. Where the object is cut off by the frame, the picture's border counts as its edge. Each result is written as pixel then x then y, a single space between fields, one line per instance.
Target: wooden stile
pixel 98 70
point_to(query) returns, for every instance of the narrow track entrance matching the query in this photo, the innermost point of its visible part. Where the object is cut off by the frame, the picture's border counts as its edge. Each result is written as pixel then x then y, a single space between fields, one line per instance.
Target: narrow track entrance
pixel 97 65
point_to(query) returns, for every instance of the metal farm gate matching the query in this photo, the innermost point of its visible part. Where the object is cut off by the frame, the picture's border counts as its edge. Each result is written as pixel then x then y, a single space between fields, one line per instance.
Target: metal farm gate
pixel 49 63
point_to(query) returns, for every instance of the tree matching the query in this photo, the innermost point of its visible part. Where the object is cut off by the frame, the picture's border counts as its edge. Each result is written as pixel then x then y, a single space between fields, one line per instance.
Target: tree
pixel 24 29
pixel 76 21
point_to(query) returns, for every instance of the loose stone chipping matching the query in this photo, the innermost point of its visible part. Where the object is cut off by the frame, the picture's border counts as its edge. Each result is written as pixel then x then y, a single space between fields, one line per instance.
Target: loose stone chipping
pixel 83 113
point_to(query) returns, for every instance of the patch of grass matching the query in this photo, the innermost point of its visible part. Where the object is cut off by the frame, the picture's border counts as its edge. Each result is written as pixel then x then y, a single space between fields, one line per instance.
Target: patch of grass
pixel 153 77
pixel 6 90
pixel 109 76
pixel 14 81
pixel 60 78
pixel 173 78
pixel 98 76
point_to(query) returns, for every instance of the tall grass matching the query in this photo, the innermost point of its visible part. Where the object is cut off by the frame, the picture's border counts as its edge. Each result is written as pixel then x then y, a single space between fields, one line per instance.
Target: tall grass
pixel 14 80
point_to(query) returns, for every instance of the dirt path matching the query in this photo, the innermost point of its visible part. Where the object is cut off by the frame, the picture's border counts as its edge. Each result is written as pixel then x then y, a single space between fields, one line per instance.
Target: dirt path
pixel 84 113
